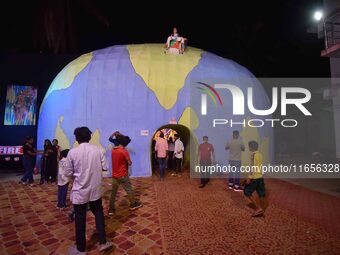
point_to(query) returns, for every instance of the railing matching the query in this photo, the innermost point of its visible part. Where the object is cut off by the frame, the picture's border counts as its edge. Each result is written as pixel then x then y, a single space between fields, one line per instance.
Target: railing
pixel 332 33
pixel 331 29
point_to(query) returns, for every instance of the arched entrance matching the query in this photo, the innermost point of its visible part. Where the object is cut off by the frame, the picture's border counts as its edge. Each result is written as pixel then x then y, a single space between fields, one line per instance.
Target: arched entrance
pixel 170 129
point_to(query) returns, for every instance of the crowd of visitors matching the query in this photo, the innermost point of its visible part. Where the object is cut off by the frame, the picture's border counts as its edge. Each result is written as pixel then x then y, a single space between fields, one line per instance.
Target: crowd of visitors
pixel 83 165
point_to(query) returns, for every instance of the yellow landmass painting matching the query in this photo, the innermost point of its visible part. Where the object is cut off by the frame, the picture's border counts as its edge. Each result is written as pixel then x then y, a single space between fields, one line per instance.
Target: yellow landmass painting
pixel 65 78
pixel 65 143
pixel 61 136
pixel 164 74
pixel 189 119
pixel 95 140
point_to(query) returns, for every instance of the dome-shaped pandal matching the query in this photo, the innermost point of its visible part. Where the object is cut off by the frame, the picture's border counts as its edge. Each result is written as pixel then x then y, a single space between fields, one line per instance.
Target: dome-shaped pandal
pixel 136 89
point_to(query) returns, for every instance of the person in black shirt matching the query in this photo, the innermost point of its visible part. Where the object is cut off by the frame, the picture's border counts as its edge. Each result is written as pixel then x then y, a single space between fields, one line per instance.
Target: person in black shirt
pixel 48 161
pixel 55 160
pixel 44 162
pixel 28 161
pixel 55 144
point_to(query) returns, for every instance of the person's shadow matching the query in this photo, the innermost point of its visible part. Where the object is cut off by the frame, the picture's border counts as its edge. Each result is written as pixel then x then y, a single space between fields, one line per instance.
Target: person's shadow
pixel 240 201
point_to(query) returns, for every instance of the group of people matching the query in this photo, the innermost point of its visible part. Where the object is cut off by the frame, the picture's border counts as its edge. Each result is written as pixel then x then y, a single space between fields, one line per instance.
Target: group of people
pixel 169 153
pixel 85 164
pixel 48 165
pixel 49 161
pixel 82 166
pixel 254 182
pixel 206 157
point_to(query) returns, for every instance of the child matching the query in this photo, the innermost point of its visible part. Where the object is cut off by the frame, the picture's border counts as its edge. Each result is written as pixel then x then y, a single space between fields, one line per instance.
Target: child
pixel 62 180
pixel 120 163
pixel 255 181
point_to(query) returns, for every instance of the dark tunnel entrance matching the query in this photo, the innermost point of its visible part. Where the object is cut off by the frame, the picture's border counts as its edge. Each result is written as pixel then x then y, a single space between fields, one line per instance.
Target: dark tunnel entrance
pixel 169 131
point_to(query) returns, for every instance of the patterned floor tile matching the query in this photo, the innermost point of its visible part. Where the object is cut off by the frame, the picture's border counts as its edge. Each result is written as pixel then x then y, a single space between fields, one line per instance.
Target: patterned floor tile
pixel 176 218
pixel 31 224
pixel 215 220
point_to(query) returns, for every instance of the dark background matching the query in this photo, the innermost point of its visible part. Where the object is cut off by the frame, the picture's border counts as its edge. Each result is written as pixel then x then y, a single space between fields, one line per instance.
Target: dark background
pixel 38 38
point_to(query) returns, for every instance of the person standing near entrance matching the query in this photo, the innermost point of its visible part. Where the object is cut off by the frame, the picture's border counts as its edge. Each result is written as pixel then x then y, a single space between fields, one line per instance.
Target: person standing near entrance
pixel 178 155
pixel 171 149
pixel 235 147
pixel 85 163
pixel 206 156
pixel 161 152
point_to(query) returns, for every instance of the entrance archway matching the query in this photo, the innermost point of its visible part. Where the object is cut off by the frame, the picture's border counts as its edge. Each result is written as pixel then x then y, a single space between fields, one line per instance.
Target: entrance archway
pixel 185 136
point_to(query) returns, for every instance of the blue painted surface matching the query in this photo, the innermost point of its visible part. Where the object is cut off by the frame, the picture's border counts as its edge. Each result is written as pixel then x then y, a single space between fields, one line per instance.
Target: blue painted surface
pixel 109 95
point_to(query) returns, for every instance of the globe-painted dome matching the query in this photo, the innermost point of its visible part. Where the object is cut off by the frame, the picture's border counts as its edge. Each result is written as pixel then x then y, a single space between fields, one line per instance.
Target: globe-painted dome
pixel 136 89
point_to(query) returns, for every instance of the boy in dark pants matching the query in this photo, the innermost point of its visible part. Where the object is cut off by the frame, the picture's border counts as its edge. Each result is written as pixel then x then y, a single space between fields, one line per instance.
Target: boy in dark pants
pixel 120 163
pixel 178 155
pixel 28 160
pixel 63 180
pixel 161 153
pixel 255 181
pixel 206 157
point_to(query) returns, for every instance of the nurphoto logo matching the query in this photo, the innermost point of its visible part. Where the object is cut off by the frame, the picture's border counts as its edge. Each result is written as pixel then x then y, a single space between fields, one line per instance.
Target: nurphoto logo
pixel 288 97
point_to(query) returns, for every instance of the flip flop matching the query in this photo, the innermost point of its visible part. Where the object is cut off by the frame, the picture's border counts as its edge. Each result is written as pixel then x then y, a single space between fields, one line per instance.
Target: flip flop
pixel 258 213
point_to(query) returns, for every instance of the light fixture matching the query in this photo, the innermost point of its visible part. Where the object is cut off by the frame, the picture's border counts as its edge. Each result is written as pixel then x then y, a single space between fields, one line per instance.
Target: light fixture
pixel 318 15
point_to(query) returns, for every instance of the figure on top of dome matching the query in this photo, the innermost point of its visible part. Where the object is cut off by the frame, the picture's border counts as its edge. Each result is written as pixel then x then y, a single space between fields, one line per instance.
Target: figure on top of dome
pixel 175 43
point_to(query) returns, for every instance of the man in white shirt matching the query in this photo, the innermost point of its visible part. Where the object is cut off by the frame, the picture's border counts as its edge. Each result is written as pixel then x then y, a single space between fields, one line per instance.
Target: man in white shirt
pixel 178 155
pixel 235 147
pixel 85 163
pixel 161 150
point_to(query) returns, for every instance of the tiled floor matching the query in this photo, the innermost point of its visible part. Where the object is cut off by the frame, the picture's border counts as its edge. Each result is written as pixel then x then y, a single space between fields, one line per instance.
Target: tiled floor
pixel 215 220
pixel 328 186
pixel 30 223
pixel 177 218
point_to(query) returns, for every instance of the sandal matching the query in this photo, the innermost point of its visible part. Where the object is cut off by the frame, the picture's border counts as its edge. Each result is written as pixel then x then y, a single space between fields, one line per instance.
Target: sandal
pixel 258 213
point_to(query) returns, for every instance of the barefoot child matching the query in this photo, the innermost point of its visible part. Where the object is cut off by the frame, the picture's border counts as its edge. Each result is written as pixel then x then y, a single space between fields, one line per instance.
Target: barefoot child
pixel 255 180
pixel 63 180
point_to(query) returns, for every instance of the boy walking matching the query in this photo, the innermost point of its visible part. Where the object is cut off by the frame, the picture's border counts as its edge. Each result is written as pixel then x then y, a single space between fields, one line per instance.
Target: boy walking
pixel 85 163
pixel 120 163
pixel 255 181
pixel 63 180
